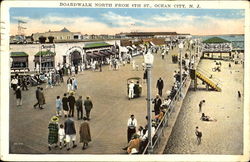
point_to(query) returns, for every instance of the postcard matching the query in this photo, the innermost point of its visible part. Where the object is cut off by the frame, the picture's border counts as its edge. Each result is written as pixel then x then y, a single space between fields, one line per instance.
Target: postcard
pixel 125 80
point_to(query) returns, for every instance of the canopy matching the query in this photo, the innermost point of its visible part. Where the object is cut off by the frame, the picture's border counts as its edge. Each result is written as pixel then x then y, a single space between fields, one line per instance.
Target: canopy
pixel 18 54
pixel 216 40
pixel 45 53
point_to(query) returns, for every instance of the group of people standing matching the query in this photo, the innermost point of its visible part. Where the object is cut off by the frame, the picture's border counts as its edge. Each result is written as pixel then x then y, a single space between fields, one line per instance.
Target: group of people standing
pixel 69 103
pixel 65 134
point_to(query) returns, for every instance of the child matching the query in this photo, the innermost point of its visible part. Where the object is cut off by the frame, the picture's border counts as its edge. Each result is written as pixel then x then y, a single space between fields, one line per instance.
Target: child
pixel 61 135
pixel 58 106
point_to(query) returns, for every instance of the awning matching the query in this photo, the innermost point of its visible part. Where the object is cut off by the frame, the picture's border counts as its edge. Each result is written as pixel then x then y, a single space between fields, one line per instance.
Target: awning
pixel 91 55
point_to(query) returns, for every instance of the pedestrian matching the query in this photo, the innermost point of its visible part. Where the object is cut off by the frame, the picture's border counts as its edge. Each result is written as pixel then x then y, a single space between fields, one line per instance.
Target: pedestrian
pixel 18 96
pixel 88 106
pixel 69 84
pixel 79 108
pixel 239 95
pixel 14 83
pixel 72 101
pixel 37 97
pixel 157 104
pixel 49 83
pixel 198 134
pixel 58 106
pixel 65 105
pixel 74 84
pixel 84 132
pixel 61 134
pixel 132 123
pixel 53 132
pixel 70 132
pixel 160 86
pixel 200 105
pixel 24 83
pixel 100 66
pixel 163 54
pixel 41 99
pixel 131 90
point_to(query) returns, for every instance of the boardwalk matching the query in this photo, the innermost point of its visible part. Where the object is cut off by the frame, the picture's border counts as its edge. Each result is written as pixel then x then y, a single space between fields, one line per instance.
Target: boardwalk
pixel 28 126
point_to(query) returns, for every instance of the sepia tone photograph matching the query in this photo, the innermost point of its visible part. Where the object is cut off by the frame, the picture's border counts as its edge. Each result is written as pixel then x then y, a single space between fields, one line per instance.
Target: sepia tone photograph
pixel 125 78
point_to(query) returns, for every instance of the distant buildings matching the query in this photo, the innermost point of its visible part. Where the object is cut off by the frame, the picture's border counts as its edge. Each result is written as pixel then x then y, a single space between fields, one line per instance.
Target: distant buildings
pixel 59 36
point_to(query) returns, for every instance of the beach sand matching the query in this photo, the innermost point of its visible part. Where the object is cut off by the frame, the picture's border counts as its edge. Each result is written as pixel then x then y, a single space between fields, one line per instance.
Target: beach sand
pixel 224 136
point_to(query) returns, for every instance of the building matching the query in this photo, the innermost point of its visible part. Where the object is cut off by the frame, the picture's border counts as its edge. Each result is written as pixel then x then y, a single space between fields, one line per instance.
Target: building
pixel 63 35
pixel 146 34
pixel 216 48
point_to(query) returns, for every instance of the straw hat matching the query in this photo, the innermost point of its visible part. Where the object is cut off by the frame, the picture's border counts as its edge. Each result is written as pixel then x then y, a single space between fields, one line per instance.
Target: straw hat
pixel 54 119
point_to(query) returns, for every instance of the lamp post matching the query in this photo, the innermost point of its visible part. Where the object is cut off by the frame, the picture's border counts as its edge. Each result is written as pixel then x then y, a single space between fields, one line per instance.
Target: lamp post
pixel 180 48
pixel 149 59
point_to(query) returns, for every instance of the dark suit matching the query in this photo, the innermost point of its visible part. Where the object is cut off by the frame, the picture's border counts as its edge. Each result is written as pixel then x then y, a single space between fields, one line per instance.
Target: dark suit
pixel 69 127
pixel 157 105
pixel 160 86
pixel 71 100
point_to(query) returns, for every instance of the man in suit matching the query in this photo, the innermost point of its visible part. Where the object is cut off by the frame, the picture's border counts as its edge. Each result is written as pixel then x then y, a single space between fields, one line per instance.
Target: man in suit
pixel 160 86
pixel 72 101
pixel 70 132
pixel 157 104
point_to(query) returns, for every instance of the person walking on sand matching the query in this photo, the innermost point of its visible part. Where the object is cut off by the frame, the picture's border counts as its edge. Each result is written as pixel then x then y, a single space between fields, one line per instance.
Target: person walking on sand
pixel 200 105
pixel 131 90
pixel 58 106
pixel 198 134
pixel 88 106
pixel 84 132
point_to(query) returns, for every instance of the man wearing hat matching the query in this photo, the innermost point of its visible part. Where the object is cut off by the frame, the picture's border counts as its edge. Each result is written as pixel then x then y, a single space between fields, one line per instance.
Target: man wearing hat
pixel 131 90
pixel 72 101
pixel 157 104
pixel 70 132
pixel 53 132
pixel 88 106
pixel 132 123
pixel 18 96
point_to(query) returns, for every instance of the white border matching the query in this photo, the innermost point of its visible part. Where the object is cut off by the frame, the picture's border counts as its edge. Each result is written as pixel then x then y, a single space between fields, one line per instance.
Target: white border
pixel 5 5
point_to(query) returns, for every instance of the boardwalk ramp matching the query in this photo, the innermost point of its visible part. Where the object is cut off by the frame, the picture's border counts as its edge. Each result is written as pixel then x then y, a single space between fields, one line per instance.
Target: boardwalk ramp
pixel 208 79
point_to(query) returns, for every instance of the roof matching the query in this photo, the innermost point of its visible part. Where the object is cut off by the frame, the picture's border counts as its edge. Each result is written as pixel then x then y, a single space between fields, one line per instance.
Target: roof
pixel 45 53
pixel 216 40
pixel 159 41
pixel 96 45
pixel 149 33
pixel 65 30
pixel 17 54
pixel 126 43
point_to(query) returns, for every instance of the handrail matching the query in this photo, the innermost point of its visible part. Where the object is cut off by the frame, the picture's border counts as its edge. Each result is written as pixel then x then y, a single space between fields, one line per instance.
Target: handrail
pixel 165 118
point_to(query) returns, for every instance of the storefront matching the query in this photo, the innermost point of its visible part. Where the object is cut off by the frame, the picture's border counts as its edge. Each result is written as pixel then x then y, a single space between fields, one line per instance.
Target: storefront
pixel 20 60
pixel 46 58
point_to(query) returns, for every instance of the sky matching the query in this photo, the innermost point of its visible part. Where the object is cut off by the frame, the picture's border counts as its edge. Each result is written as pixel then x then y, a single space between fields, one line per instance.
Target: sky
pixel 113 20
